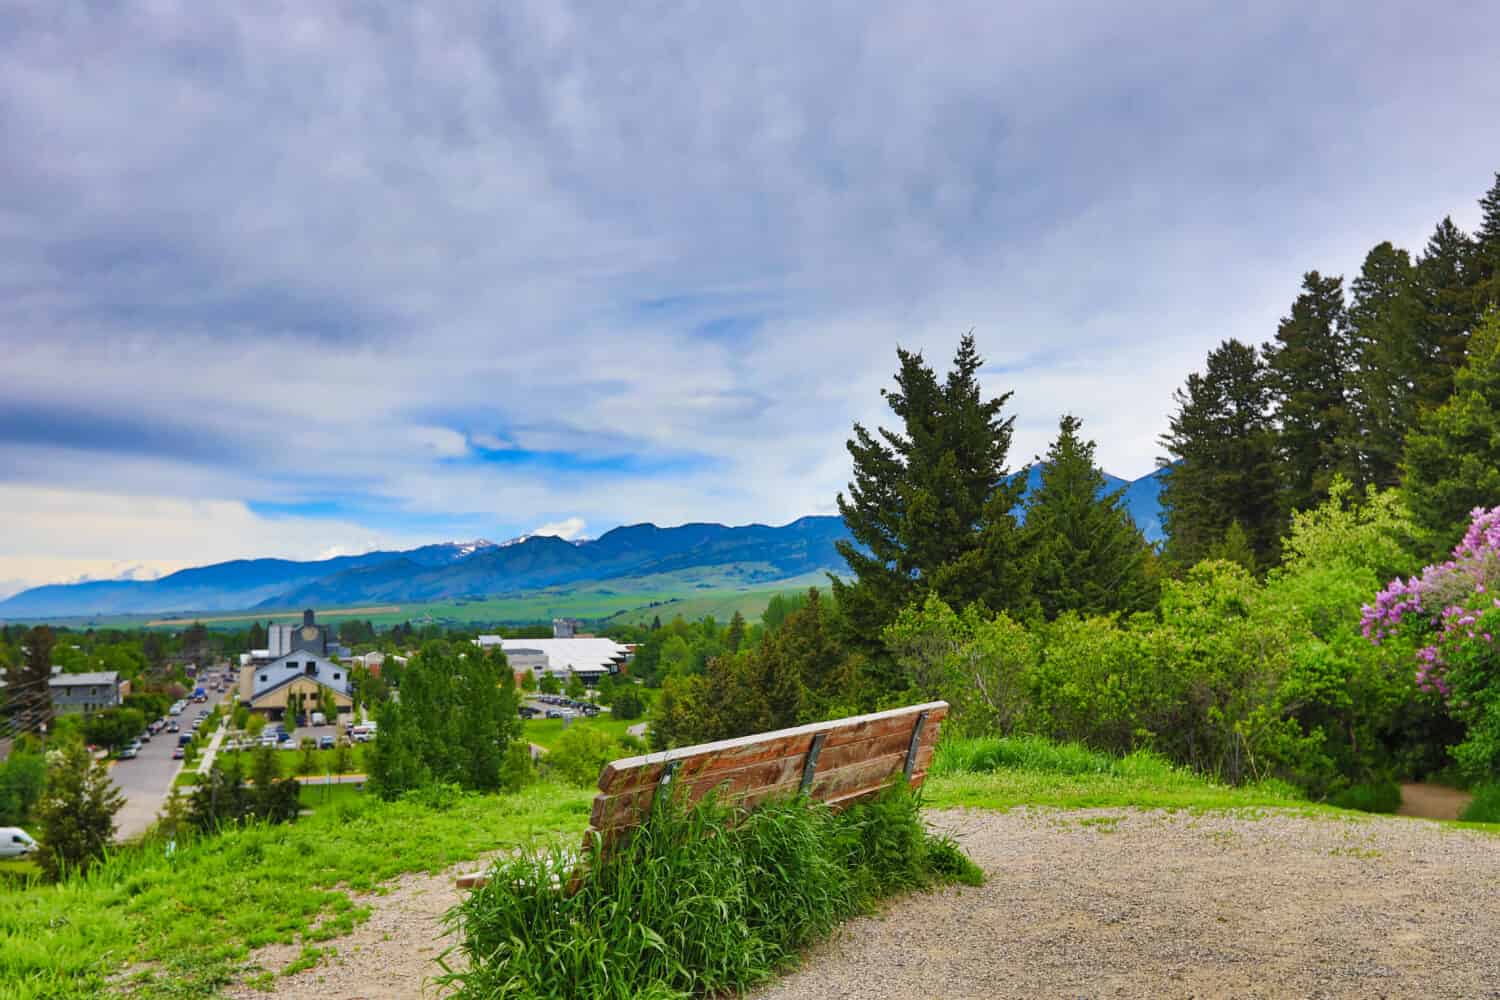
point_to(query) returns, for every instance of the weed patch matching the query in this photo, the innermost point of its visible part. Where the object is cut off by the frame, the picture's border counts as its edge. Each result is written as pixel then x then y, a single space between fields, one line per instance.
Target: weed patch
pixel 699 901
pixel 1486 805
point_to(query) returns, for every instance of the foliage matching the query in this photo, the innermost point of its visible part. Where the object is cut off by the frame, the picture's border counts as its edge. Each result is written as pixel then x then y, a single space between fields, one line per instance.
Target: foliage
pixel 23 779
pixel 76 815
pixel 1221 458
pixel 549 684
pixel 581 753
pixel 454 720
pixel 931 506
pixel 1310 377
pixel 225 799
pixel 978 663
pixel 1485 808
pixel 574 688
pixel 1088 554
pixel 1372 797
pixel 114 727
pixel 627 703
pixel 699 901
pixel 1453 458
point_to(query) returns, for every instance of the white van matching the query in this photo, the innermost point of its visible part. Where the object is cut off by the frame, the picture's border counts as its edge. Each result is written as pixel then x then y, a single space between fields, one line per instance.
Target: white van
pixel 319 719
pixel 15 842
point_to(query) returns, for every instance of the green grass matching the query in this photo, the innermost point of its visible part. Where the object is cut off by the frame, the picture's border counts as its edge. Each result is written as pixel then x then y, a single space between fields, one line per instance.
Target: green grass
pixel 1006 772
pixel 288 761
pixel 185 924
pixel 698 902
pixel 315 796
pixel 1371 797
pixel 546 732
pixel 719 591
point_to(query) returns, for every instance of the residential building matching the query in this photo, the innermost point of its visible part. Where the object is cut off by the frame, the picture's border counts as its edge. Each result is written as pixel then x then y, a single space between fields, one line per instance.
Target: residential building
pixel 91 692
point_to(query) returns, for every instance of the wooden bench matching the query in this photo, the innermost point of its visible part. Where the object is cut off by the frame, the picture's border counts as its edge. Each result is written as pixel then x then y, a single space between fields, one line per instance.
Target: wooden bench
pixel 837 762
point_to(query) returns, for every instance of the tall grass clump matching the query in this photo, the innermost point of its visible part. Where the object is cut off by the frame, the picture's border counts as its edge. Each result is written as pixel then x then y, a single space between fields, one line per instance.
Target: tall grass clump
pixel 700 900
pixel 1486 805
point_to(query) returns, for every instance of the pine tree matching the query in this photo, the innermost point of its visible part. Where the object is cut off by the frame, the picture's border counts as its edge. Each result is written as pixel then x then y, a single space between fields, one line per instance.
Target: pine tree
pixel 930 505
pixel 1444 286
pixel 76 816
pixel 1234 547
pixel 735 635
pixel 1486 257
pixel 1384 322
pixel 1221 460
pixel 1309 369
pixel 1089 555
pixel 1453 458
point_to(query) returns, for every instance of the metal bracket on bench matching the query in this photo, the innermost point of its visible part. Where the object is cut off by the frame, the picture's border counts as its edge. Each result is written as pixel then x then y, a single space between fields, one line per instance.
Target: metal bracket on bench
pixel 668 773
pixel 811 767
pixel 916 741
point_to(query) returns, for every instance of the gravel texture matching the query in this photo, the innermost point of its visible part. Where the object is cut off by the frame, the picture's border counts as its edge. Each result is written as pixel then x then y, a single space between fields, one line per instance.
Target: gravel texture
pixel 1125 903
pixel 1094 903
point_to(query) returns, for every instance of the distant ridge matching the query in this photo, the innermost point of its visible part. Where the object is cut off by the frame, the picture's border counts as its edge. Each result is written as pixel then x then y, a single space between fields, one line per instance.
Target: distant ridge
pixel 753 554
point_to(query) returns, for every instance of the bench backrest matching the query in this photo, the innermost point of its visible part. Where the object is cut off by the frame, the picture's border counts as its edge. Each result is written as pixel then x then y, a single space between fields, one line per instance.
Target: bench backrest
pixel 837 762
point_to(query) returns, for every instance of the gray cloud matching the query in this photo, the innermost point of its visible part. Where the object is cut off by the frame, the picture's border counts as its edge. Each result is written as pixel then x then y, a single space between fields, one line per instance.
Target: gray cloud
pixel 278 252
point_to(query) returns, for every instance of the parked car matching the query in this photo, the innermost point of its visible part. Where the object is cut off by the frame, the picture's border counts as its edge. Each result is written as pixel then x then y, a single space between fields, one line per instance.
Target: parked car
pixel 553 713
pixel 146 736
pixel 527 712
pixel 174 726
pixel 184 739
pixel 128 753
pixel 325 742
pixel 178 753
pixel 15 842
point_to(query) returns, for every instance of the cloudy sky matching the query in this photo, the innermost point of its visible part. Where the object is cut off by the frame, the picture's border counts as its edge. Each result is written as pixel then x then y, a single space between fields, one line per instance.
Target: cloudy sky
pixel 290 279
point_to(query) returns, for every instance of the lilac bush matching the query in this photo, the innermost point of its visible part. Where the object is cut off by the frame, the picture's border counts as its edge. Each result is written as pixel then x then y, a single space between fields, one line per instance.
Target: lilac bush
pixel 1452 609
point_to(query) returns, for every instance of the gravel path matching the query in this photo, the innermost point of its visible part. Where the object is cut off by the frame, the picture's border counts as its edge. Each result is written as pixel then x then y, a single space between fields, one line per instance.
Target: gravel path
pixel 1093 903
pixel 1123 903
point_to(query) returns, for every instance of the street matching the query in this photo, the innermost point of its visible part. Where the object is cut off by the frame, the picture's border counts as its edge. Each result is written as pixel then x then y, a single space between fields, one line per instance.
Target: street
pixel 146 780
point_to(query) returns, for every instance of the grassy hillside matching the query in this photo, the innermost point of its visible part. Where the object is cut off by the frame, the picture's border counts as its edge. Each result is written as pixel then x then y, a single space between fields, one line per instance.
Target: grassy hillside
pixel 691 594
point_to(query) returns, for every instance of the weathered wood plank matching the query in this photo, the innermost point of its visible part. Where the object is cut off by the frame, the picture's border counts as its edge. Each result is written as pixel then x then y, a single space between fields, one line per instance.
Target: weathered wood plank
pixel 732 754
pixel 748 786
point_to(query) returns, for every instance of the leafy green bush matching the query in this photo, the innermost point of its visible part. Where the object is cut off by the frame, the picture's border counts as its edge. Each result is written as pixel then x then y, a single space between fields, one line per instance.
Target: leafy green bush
pixel 1486 805
pixel 580 753
pixel 1372 797
pixel 699 901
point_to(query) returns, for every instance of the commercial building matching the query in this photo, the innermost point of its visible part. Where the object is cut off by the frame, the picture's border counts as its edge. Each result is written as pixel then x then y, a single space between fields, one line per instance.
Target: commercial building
pixel 300 669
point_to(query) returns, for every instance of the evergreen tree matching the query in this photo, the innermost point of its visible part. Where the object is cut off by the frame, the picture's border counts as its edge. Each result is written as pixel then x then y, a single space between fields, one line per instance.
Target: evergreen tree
pixel 1234 547
pixel 1444 286
pixel 1453 458
pixel 29 699
pixel 1089 555
pixel 1384 323
pixel 258 636
pixel 1486 266
pixel 735 635
pixel 1221 464
pixel 1309 376
pixel 930 505
pixel 76 815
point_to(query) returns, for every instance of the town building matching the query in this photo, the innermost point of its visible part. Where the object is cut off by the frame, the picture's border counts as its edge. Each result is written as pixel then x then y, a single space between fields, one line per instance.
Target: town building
pixel 588 658
pixel 300 667
pixel 82 693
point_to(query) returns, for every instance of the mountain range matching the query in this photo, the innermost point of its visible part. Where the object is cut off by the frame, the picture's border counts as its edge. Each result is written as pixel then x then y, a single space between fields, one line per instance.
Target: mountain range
pixel 749 554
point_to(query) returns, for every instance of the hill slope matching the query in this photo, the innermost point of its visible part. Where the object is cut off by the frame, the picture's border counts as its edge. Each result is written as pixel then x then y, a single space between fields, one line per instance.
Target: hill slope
pixel 750 555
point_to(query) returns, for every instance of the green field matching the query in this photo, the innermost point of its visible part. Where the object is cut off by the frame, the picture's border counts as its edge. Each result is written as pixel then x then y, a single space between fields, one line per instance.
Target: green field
pixel 629 601
pixel 545 732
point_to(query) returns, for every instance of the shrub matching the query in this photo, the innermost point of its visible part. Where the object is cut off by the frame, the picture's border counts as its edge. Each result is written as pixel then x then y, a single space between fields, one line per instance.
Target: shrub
pixel 703 900
pixel 580 753
pixel 1486 805
pixel 77 814
pixel 1372 797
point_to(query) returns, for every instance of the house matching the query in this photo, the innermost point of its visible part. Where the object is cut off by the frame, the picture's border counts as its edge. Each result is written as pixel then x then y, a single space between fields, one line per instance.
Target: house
pixel 588 658
pixel 301 667
pixel 92 692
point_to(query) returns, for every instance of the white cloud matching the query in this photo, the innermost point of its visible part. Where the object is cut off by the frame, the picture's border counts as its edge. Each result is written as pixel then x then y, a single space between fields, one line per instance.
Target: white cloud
pixel 569 528
pixel 677 265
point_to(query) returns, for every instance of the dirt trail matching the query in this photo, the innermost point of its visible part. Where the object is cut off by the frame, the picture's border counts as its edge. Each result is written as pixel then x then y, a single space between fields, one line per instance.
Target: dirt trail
pixel 1432 801
pixel 1093 903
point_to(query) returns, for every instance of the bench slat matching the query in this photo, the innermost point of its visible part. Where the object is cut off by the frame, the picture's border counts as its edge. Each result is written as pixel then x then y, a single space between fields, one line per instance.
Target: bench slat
pixel 727 755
